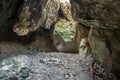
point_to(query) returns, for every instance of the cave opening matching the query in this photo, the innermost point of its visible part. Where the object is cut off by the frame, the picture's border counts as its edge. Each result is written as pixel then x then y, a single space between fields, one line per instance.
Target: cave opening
pixel 64 41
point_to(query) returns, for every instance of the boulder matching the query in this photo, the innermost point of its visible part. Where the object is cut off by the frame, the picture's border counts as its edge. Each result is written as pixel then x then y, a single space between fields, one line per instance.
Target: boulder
pixel 66 36
pixel 105 47
pixel 15 68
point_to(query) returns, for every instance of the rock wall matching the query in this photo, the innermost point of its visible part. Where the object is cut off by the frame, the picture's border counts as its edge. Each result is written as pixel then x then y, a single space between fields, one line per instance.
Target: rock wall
pixel 104 33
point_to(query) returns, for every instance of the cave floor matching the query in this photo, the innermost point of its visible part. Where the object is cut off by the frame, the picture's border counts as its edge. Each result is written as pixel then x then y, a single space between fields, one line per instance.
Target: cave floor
pixel 59 66
pixel 52 65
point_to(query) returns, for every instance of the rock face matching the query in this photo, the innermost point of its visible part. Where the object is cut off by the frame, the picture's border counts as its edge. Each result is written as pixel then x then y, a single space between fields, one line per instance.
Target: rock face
pixel 106 11
pixel 46 12
pixel 105 47
pixel 104 35
pixel 47 15
pixel 15 68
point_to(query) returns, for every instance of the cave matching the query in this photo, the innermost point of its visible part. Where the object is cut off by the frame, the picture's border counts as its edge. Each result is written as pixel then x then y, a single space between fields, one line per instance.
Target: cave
pixel 59 40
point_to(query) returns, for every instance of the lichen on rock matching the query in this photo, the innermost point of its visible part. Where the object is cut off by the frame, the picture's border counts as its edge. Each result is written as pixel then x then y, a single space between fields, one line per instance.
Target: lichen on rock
pixel 65 29
pixel 66 36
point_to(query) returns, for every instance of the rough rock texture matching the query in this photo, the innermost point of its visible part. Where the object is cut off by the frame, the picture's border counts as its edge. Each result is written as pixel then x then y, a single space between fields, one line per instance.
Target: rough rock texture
pixel 66 36
pixel 105 47
pixel 104 35
pixel 107 12
pixel 15 68
pixel 45 10
pixel 47 14
pixel 65 6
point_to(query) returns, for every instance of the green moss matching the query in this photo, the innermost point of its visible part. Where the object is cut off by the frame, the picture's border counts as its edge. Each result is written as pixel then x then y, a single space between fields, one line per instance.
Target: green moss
pixel 66 30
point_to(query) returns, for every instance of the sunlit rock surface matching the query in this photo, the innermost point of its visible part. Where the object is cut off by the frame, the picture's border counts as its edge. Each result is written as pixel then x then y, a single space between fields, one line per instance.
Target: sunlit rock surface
pixel 66 9
pixel 65 29
pixel 51 12
pixel 66 36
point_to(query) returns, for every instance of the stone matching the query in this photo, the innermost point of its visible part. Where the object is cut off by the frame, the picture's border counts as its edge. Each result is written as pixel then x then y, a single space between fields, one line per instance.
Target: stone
pixel 15 68
pixel 21 27
pixel 66 36
pixel 105 47
pixel 84 49
pixel 66 9
pixel 51 12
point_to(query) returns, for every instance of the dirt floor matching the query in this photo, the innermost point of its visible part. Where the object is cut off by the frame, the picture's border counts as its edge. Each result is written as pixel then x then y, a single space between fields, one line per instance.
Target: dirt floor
pixel 59 66
pixel 53 65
